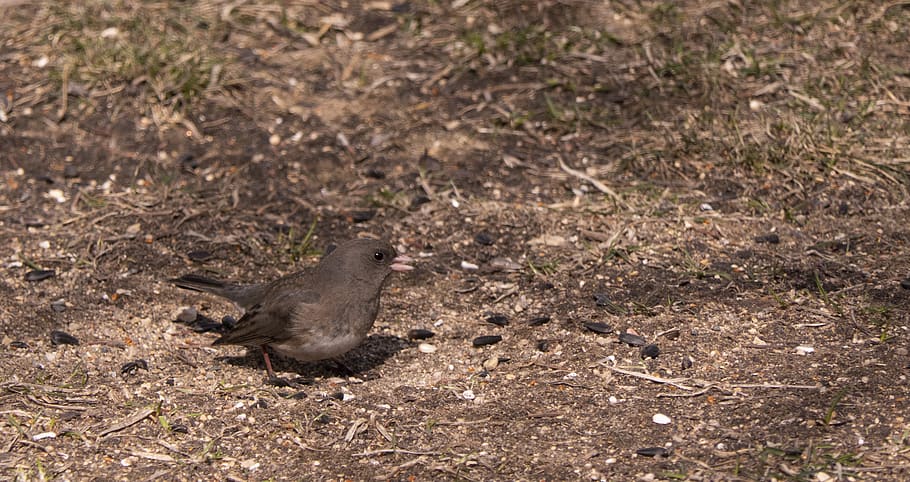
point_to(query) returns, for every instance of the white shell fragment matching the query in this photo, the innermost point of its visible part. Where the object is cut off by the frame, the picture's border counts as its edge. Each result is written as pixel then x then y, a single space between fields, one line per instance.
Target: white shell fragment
pixel 804 350
pixel 661 419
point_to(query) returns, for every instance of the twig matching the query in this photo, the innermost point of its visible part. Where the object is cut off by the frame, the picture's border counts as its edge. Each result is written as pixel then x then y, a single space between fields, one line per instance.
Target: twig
pixel 129 421
pixel 392 451
pixel 676 382
pixel 594 182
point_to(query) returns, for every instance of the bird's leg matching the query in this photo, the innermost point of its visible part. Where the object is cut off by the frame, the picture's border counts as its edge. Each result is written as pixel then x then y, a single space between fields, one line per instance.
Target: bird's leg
pixel 274 379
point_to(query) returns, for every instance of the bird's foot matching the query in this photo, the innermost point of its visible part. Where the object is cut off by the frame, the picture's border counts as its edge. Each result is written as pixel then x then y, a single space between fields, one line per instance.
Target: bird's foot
pixel 282 382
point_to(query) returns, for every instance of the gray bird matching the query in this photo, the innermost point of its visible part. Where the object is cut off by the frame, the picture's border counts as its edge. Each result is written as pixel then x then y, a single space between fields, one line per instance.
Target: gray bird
pixel 310 315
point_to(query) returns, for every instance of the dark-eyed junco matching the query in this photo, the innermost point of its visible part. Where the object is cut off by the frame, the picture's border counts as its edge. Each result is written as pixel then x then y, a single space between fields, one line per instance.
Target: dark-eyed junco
pixel 310 315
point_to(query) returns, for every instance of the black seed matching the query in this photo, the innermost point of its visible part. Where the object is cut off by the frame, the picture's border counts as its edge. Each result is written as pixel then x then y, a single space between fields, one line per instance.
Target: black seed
pixel 375 173
pixel 633 340
pixel 770 238
pixel 487 340
pixel 62 338
pixel 362 216
pixel 70 415
pixel 229 322
pixel 686 363
pixel 543 345
pixel 653 452
pixel 204 324
pixel 420 334
pixel 650 351
pixel 134 365
pixel 260 404
pixel 199 256
pixel 39 275
pixel 19 344
pixel 601 299
pixel 599 327
pixel 324 418
pixel 545 285
pixel 484 238
pixel 905 283
pixel 299 395
pixel 497 319
pixel 337 396
pixel 70 171
pixel 540 320
pixel 179 428
pixel 58 306
pixel 188 161
pixel 419 199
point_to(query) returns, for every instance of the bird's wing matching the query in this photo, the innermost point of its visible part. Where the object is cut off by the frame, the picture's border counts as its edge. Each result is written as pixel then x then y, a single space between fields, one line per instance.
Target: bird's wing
pixel 270 320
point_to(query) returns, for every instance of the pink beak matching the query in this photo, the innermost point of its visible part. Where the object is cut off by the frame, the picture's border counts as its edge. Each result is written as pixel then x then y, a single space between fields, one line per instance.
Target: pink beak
pixel 400 263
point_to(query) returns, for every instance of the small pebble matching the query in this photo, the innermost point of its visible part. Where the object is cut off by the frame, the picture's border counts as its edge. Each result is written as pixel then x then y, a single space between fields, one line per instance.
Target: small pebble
pixel 602 328
pixel 468 395
pixel 426 348
pixel 650 351
pixel 43 435
pixel 179 428
pixel 497 319
pixel 504 264
pixel 543 345
pixel 62 338
pixel 687 363
pixel 804 350
pixel 905 283
pixel 420 334
pixel 40 275
pixel 487 340
pixel 362 216
pixel 632 339
pixel 661 419
pixel 490 364
pixel 187 314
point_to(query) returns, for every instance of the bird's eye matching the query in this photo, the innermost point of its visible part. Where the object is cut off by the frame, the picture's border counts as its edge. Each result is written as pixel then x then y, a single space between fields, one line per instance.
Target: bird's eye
pixel 378 256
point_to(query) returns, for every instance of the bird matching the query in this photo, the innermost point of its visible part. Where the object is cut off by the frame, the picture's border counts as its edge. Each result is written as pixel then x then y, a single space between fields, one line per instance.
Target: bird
pixel 309 315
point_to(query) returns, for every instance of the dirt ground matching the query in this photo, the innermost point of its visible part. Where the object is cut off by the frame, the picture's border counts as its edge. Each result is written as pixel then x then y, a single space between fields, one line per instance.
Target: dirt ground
pixel 726 180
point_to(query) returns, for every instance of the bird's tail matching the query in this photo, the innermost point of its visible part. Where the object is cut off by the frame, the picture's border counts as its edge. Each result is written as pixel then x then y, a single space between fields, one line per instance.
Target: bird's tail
pixel 200 283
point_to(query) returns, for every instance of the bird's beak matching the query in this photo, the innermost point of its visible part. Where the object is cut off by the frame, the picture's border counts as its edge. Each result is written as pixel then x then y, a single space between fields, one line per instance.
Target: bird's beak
pixel 400 263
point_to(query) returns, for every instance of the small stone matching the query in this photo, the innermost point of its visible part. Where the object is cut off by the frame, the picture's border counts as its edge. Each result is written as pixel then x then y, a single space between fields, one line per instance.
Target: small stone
pixel 504 264
pixel 487 340
pixel 632 339
pixel 661 419
pixel 490 364
pixel 274 139
pixel 650 351
pixel 804 350
pixel 426 348
pixel 687 363
pixel 497 319
pixel 484 238
pixel 905 283
pixel 602 328
pixel 62 338
pixel 420 334
pixel 468 395
pixel 187 314
pixel 40 275
pixel 43 435
pixel 70 171
pixel 543 345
